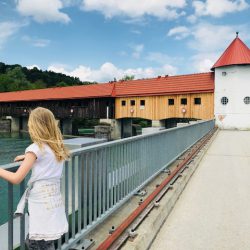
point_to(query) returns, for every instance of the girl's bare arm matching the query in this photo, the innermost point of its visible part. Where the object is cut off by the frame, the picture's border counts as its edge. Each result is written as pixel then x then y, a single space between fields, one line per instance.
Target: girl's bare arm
pixel 19 158
pixel 21 172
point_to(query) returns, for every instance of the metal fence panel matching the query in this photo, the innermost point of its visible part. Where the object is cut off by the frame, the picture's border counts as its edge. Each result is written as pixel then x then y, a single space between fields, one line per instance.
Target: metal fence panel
pixel 99 179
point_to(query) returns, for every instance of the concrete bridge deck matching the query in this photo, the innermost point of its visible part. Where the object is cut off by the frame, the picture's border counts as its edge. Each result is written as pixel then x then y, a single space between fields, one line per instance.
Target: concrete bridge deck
pixel 213 212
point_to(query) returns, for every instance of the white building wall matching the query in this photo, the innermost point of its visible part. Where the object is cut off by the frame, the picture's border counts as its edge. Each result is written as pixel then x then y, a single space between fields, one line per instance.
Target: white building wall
pixel 235 85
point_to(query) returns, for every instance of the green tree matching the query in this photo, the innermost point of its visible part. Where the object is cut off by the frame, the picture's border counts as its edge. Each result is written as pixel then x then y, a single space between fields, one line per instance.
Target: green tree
pixel 128 78
pixel 5 81
pixel 18 79
pixel 61 84
pixel 15 77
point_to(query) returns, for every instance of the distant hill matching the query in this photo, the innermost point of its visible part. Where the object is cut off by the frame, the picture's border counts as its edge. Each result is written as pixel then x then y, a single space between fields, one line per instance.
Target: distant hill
pixel 15 77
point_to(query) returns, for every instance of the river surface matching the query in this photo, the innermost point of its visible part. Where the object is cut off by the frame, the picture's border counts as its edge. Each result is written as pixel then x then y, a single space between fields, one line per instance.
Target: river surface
pixel 11 145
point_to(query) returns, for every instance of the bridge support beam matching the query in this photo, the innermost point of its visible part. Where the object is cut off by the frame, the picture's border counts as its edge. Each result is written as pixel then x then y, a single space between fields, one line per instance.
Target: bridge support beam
pixel 158 123
pixel 66 126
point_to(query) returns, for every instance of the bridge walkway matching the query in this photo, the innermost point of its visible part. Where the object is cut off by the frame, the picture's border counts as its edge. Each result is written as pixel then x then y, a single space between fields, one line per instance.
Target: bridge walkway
pixel 213 212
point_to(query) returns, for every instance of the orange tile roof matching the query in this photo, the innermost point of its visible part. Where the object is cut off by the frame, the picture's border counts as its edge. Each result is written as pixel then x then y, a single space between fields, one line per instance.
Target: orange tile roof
pixel 72 92
pixel 236 53
pixel 193 83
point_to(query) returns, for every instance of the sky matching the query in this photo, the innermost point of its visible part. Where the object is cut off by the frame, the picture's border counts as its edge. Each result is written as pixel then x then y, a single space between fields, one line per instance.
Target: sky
pixel 99 40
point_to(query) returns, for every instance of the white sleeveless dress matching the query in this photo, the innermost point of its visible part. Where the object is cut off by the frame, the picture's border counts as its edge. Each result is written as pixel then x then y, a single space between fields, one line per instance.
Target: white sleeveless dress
pixel 47 218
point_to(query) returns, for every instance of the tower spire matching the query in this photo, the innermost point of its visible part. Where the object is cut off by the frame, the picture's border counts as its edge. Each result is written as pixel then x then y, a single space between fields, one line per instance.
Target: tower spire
pixel 237 34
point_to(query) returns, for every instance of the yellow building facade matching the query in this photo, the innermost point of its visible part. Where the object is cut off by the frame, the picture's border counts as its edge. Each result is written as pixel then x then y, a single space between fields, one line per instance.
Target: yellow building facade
pixel 190 106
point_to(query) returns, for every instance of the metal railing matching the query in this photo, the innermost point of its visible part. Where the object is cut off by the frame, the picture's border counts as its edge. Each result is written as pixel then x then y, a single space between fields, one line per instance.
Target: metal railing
pixel 99 179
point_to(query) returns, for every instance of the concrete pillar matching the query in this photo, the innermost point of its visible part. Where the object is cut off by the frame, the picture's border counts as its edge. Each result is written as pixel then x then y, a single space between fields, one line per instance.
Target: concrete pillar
pixel 103 132
pixel 116 128
pixel 5 125
pixel 66 126
pixel 24 123
pixel 126 128
pixel 15 124
pixel 158 123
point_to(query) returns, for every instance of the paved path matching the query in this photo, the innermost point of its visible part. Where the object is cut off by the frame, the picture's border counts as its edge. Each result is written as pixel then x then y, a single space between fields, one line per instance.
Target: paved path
pixel 213 212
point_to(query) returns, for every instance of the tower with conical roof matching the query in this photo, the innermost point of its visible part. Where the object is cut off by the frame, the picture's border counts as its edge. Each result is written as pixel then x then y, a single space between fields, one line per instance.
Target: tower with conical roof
pixel 232 87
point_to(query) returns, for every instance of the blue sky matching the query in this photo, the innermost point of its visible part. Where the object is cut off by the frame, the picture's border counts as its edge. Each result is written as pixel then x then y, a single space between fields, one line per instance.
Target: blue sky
pixel 97 40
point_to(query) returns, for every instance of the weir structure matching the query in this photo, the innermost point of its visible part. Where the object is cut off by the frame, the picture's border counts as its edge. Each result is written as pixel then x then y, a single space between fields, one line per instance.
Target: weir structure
pixel 99 179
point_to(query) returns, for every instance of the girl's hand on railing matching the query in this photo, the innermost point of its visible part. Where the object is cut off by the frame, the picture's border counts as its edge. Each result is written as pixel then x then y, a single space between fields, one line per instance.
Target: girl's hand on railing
pixel 19 158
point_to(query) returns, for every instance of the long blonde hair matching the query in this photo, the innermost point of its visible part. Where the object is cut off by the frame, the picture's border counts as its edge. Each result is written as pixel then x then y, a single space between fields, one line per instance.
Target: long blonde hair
pixel 43 128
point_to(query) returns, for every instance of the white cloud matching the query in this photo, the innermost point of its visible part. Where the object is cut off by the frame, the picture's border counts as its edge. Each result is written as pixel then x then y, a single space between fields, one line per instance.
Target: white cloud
pixel 179 32
pixel 36 42
pixel 33 66
pixel 192 18
pixel 210 45
pixel 109 71
pixel 163 9
pixel 218 8
pixel 8 29
pixel 208 41
pixel 204 37
pixel 208 37
pixel 43 10
pixel 137 50
pixel 203 62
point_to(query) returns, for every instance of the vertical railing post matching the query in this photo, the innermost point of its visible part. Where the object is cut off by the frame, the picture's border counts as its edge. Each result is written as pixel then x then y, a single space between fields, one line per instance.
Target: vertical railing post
pixel 22 221
pixel 73 183
pixel 85 189
pixel 10 216
pixel 79 193
pixel 67 197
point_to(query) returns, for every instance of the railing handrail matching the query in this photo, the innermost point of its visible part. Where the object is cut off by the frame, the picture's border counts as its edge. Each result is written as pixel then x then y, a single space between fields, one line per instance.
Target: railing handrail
pixel 133 138
pixel 14 165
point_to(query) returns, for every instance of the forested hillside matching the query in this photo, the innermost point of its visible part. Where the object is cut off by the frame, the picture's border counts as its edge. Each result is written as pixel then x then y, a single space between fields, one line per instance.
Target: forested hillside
pixel 15 77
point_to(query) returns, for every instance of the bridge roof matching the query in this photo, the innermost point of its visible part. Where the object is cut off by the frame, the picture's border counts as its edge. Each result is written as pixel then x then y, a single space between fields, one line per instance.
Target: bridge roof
pixel 193 83
pixel 59 93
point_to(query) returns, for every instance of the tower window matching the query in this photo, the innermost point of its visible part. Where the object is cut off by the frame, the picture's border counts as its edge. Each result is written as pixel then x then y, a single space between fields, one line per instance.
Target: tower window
pixel 224 73
pixel 224 100
pixel 247 100
pixel 183 101
pixel 170 102
pixel 123 103
pixel 197 101
pixel 132 102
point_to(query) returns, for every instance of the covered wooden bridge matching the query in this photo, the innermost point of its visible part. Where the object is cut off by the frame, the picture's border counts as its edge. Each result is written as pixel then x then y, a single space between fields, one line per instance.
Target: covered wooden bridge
pixel 163 100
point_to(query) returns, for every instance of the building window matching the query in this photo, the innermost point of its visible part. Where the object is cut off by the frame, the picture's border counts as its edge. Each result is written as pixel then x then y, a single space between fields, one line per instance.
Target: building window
pixel 183 101
pixel 224 73
pixel 247 100
pixel 224 100
pixel 142 102
pixel 132 102
pixel 197 101
pixel 170 102
pixel 123 103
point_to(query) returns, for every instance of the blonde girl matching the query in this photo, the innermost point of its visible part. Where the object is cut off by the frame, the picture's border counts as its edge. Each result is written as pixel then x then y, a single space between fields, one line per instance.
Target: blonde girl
pixel 45 156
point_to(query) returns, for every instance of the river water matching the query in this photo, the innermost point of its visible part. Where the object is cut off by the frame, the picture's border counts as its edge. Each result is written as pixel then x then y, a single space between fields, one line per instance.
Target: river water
pixel 11 145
